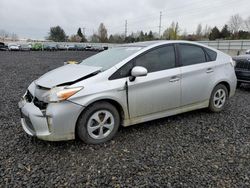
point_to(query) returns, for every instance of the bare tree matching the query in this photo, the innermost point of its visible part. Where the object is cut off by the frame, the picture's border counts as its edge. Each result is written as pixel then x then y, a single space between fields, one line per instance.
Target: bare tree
pixel 14 37
pixel 199 31
pixel 206 31
pixel 247 24
pixel 102 33
pixel 3 35
pixel 235 23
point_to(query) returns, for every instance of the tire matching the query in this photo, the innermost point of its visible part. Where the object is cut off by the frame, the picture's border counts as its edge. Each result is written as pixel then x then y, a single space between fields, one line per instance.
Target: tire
pixel 98 118
pixel 220 93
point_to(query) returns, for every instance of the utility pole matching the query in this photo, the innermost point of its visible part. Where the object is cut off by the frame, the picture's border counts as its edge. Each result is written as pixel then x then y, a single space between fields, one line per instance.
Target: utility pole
pixel 160 25
pixel 126 28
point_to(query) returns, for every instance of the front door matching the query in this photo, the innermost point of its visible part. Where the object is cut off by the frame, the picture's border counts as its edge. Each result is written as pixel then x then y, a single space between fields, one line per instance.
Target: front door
pixel 160 89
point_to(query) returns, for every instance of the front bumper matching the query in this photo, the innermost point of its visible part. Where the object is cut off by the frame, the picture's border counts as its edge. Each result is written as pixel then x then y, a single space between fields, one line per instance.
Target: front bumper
pixel 56 123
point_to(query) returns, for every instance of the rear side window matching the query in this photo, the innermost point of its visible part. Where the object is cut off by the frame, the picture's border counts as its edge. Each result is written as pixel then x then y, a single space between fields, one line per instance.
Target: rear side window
pixel 212 55
pixel 191 54
pixel 162 58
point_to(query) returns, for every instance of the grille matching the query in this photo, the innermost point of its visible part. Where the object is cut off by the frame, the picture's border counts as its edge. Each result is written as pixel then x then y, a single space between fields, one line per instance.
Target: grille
pixel 243 64
pixel 40 104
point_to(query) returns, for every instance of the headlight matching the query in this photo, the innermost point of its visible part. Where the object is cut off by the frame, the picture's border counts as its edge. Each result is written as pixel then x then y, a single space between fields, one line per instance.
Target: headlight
pixel 58 94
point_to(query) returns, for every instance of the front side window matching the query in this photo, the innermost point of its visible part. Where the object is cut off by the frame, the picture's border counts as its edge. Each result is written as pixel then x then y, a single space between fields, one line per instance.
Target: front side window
pixel 191 54
pixel 162 58
pixel 155 60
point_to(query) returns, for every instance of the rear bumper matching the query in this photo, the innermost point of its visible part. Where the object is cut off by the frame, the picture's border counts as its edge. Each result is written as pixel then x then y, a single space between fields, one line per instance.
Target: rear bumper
pixel 56 123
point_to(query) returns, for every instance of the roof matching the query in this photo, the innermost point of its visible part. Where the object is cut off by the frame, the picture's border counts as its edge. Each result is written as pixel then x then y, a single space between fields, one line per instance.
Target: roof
pixel 157 42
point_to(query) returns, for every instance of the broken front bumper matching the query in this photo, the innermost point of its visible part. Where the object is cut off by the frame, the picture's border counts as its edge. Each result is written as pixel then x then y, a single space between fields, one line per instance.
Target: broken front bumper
pixel 56 123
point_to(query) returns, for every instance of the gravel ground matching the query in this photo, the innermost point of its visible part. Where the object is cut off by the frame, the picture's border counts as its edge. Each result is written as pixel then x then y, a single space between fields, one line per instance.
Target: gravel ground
pixel 196 149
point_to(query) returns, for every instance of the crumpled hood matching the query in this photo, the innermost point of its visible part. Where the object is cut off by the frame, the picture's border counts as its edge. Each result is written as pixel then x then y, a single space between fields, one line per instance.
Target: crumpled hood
pixel 66 74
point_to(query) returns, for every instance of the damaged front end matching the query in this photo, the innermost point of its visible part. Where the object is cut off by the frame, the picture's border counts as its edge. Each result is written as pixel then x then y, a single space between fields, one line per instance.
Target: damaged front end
pixel 51 121
pixel 45 109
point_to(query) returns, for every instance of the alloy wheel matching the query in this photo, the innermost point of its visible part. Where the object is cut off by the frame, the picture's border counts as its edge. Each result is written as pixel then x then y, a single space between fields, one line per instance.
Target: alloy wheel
pixel 100 124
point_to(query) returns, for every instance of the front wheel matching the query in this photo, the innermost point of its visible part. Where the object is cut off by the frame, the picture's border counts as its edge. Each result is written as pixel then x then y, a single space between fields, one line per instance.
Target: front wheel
pixel 218 98
pixel 98 123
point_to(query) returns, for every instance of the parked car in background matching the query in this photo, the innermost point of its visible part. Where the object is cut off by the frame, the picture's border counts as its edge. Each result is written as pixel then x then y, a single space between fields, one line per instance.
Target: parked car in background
pixel 14 47
pixel 3 47
pixel 126 85
pixel 89 48
pixel 242 68
pixel 50 47
pixel 36 47
pixel 61 47
pixel 97 48
pixel 80 47
pixel 70 47
pixel 248 52
pixel 25 47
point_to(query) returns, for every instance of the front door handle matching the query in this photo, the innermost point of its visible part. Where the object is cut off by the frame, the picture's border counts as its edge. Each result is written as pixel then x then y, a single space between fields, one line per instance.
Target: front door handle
pixel 174 79
pixel 209 70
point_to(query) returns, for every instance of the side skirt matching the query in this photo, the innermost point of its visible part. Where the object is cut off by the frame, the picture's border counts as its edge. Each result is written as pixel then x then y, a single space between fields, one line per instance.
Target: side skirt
pixel 150 117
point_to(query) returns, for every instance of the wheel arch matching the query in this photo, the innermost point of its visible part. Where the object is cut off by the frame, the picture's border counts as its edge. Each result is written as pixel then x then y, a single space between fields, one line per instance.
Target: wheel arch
pixel 113 102
pixel 226 84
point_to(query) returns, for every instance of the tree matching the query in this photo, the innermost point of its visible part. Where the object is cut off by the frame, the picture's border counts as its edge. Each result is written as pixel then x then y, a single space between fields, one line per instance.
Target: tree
pixel 75 38
pixel 79 33
pixel 102 33
pixel 57 34
pixel 172 33
pixel 94 38
pixel 14 37
pixel 3 35
pixel 247 24
pixel 225 33
pixel 151 36
pixel 215 34
pixel 206 31
pixel 199 32
pixel 235 23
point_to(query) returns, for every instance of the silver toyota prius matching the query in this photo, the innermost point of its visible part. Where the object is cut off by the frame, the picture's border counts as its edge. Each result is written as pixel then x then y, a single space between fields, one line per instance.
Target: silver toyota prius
pixel 126 85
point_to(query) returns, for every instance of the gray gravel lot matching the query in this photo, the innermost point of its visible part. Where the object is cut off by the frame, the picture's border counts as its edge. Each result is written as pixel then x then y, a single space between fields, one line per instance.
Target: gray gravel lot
pixel 196 149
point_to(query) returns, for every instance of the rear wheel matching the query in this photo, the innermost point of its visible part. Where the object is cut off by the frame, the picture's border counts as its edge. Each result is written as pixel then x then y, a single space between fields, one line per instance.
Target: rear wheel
pixel 98 123
pixel 218 98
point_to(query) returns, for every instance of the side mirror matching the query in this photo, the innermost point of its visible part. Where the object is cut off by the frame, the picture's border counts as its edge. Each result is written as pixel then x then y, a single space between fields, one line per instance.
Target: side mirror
pixel 138 72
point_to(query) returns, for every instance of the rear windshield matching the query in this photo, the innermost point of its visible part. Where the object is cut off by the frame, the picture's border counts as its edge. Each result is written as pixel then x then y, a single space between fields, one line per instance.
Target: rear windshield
pixel 111 57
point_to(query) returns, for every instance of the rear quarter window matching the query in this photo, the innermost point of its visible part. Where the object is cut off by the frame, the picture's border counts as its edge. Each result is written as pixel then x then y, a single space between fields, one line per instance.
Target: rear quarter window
pixel 212 55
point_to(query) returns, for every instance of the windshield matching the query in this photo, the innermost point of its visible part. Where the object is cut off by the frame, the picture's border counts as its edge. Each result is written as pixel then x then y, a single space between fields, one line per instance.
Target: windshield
pixel 111 57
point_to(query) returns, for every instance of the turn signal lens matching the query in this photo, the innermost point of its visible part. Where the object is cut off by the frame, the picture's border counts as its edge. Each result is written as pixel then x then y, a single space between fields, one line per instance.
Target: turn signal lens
pixel 66 93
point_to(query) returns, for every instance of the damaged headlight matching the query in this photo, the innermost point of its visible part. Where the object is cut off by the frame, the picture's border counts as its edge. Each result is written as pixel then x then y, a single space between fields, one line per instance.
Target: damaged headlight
pixel 58 94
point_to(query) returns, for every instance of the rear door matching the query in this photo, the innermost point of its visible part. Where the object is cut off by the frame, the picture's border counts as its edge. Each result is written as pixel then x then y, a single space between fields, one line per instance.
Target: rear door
pixel 197 71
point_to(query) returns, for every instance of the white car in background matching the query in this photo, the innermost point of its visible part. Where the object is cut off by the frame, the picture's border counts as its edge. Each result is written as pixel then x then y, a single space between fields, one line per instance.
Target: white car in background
pixel 14 47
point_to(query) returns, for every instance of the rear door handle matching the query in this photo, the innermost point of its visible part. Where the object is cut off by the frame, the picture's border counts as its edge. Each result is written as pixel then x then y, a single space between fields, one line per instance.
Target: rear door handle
pixel 209 70
pixel 174 79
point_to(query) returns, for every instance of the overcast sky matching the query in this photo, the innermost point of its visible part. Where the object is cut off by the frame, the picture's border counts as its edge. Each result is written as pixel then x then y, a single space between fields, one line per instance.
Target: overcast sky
pixel 33 18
